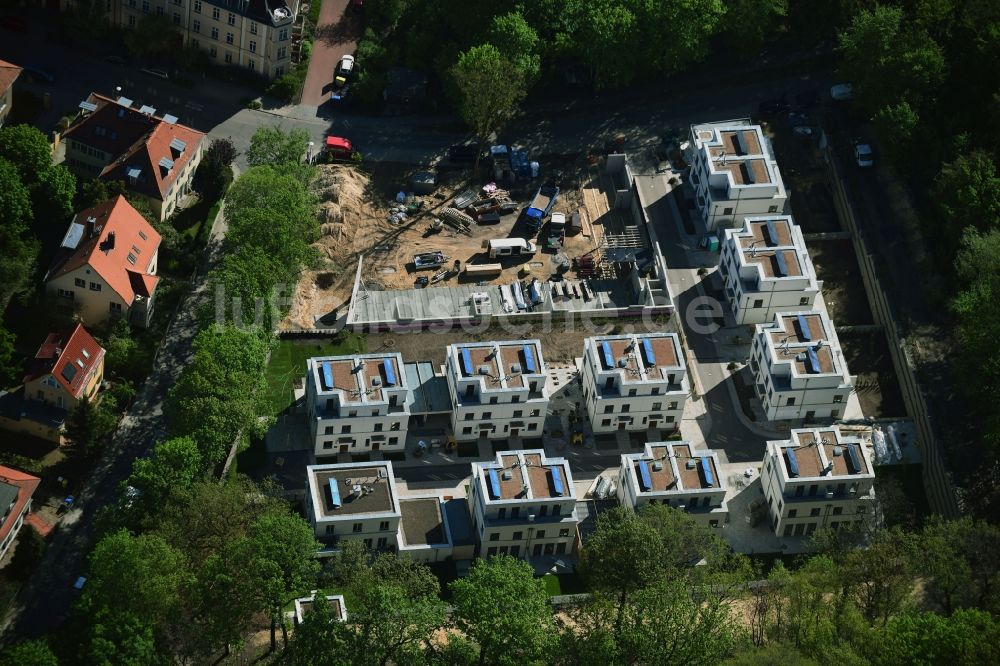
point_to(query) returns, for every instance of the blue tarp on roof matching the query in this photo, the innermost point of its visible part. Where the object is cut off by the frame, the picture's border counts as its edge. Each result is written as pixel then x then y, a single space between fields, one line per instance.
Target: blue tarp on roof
pixel 557 483
pixel 494 484
pixel 644 479
pixel 647 349
pixel 609 359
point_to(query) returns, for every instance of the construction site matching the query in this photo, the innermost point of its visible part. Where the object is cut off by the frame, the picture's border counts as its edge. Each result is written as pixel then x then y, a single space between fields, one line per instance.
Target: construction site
pixel 465 252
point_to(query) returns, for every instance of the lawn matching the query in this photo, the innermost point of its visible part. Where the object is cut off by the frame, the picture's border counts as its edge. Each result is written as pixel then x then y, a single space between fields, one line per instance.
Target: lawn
pixel 288 362
pixel 551 584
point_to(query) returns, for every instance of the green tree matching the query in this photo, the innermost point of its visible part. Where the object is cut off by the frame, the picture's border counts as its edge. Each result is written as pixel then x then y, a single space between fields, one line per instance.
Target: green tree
pixel 29 653
pixel 749 24
pixel 888 60
pixel 274 146
pixel 896 125
pixel 967 637
pixel 321 640
pixel 881 575
pixel 28 149
pixel 29 552
pixel 15 199
pixel 967 192
pixel 623 555
pixel 203 404
pixel 153 35
pixel 503 608
pixel 215 169
pixel 517 42
pixel 116 637
pixel 960 564
pixel 20 248
pixel 9 370
pixel 169 472
pixel 89 424
pixel 489 90
pixel 53 200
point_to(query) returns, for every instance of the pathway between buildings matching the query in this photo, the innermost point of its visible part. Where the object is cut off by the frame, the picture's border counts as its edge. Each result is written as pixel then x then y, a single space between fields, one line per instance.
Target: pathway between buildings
pixel 336 35
pixel 45 601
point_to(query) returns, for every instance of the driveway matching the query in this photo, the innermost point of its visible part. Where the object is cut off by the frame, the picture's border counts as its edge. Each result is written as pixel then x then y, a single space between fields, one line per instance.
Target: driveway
pixel 336 35
pixel 45 601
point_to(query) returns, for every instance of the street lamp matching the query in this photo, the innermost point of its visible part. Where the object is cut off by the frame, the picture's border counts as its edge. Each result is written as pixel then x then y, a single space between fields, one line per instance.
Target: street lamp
pixel 311 144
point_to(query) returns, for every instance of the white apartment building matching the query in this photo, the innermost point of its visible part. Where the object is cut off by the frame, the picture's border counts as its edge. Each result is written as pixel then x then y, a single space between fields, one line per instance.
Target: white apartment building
pixel 634 382
pixel 523 504
pixel 353 501
pixel 675 474
pixel 253 34
pixel 357 403
pixel 799 369
pixel 765 268
pixel 497 389
pixel 734 173
pixel 815 479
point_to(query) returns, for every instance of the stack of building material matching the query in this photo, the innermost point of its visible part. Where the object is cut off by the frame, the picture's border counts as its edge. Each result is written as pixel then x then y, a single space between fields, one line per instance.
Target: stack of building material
pixel 457 219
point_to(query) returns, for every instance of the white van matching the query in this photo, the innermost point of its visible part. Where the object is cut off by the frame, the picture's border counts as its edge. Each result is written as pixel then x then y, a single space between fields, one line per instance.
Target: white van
pixel 509 247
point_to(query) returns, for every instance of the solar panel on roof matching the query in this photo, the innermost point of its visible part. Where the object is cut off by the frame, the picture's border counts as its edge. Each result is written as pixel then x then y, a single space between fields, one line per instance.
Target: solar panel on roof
pixel 529 358
pixel 466 362
pixel 609 358
pixel 782 266
pixel 647 350
pixel 557 484
pixel 813 360
pixel 125 101
pixel 644 479
pixel 853 460
pixel 751 176
pixel 166 163
pixel 133 172
pixel 88 106
pixel 178 145
pixel 334 493
pixel 145 108
pixel 327 376
pixel 169 119
pixel 771 237
pixel 73 236
pixel 706 470
pixel 793 464
pixel 494 484
pixel 804 331
pixel 741 143
pixel 68 372
pixel 390 375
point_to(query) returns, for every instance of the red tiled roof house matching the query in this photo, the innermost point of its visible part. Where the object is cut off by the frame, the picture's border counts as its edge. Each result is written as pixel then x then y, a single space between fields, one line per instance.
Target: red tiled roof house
pixel 16 489
pixel 107 264
pixel 154 156
pixel 8 75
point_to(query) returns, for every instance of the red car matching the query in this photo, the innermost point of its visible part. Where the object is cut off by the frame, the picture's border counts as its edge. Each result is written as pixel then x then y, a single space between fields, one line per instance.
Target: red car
pixel 337 147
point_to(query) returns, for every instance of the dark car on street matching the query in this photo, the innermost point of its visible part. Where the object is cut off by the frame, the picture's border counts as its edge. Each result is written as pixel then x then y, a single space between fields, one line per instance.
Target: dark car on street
pixel 773 107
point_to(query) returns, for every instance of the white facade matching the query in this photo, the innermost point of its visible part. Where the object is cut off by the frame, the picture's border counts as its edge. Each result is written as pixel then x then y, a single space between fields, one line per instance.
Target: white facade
pixel 634 382
pixel 497 389
pixel 799 369
pixel 766 269
pixel 675 474
pixel 357 403
pixel 353 501
pixel 734 173
pixel 815 479
pixel 523 504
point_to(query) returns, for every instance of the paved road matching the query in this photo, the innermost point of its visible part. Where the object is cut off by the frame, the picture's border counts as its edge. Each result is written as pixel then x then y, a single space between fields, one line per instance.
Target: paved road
pixel 336 35
pixel 45 601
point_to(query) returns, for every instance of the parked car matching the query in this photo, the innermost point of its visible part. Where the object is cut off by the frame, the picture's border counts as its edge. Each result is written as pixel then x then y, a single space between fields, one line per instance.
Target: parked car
pixel 773 107
pixel 338 148
pixel 842 92
pixel 807 99
pixel 13 23
pixel 154 71
pixel 343 71
pixel 462 153
pixel 863 154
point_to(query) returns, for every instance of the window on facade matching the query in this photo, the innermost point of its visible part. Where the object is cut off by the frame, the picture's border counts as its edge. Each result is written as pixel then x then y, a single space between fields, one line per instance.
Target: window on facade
pixel 493 400
pixel 231 19
pixel 626 408
pixel 468 416
pixel 609 409
pixel 327 444
pixel 466 431
pixel 159 11
pixel 838 398
pixel 837 510
pixel 253 28
pixel 116 307
pixel 814 512
pixel 215 33
pixel 383 526
pixel 283 35
pixel 196 26
pixel 657 406
pixel 495 536
pixel 229 38
pixel 487 415
pixel 282 52
pixel 378 427
pixel 328 430
pixel 253 46
pixel 145 6
pixel 631 393
pixel 215 13
pixel 605 422
pixel 213 52
pixel 345 429
pixel 532 426
pixel 177 18
pixel 791 401
pixel 792 513
pixel 368 543
pixel 330 529
pixel 758 303
pixel 79 282
pixel 94 286
pixel 356 527
pixel 131 21
pixel 673 405
pixel 540 534
pixel 229 57
pixel 197 6
pixel 491 552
